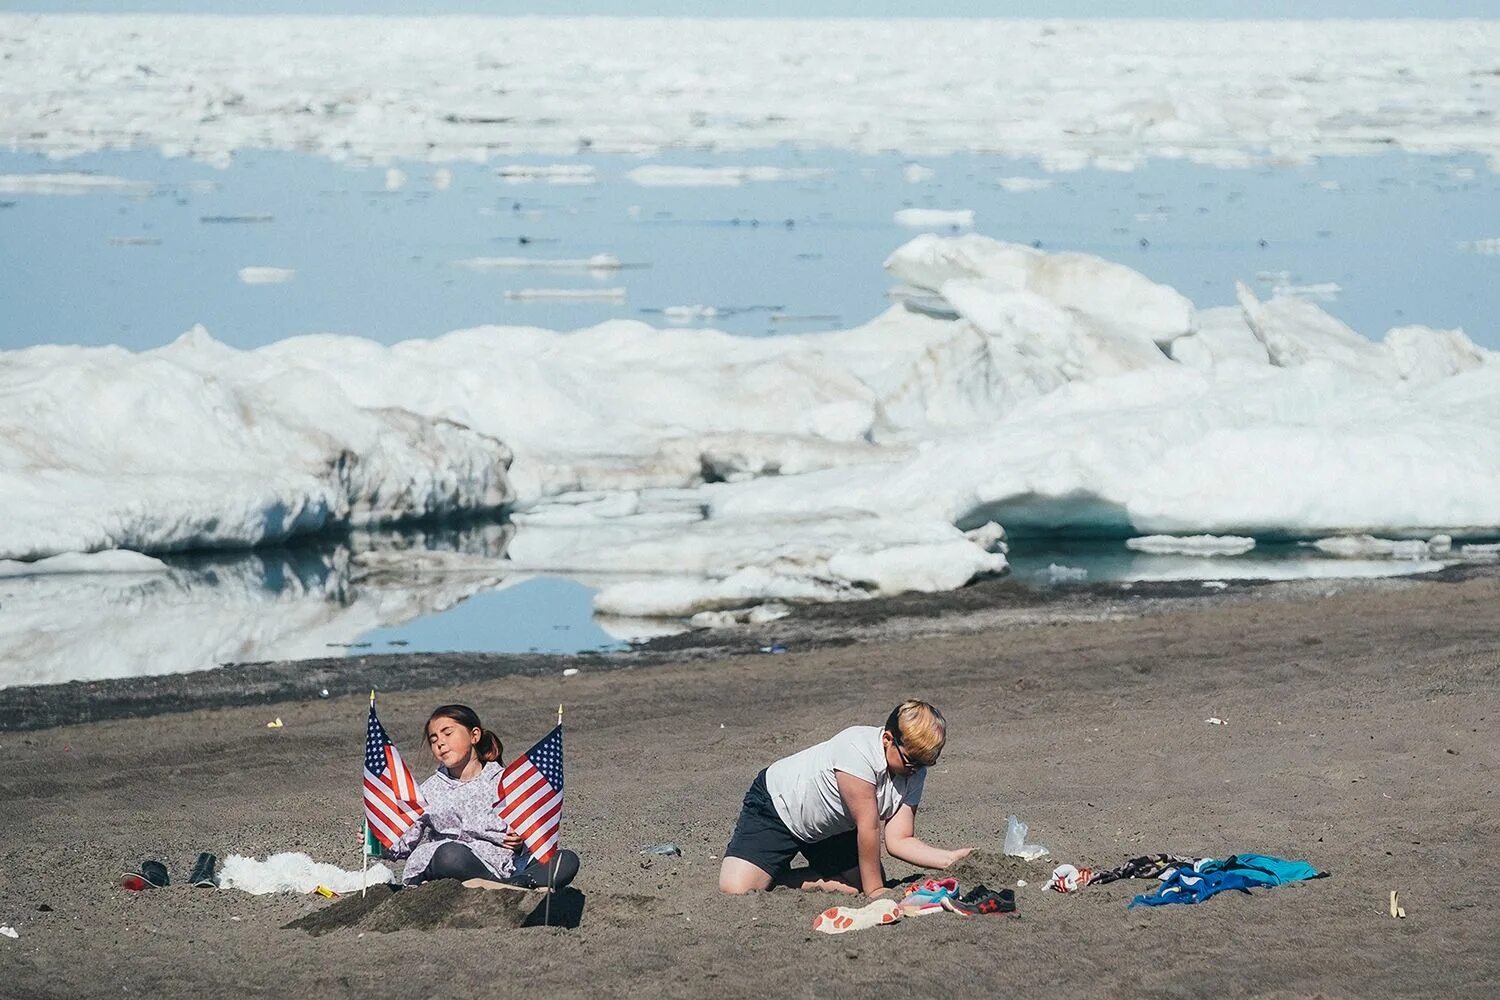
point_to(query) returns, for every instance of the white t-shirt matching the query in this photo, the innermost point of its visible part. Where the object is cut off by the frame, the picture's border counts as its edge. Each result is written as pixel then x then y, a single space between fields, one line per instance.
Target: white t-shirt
pixel 805 791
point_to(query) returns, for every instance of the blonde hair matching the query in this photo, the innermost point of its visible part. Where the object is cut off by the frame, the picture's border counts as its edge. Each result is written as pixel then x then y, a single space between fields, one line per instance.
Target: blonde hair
pixel 920 730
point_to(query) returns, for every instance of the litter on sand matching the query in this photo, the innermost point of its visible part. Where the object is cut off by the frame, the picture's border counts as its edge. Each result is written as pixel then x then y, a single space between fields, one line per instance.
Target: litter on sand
pixel 10 932
pixel 1398 912
pixel 274 723
pixel 1015 842
pixel 663 850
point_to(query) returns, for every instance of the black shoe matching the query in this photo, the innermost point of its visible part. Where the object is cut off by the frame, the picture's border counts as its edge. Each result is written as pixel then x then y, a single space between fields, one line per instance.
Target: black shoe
pixel 153 875
pixel 980 900
pixel 203 876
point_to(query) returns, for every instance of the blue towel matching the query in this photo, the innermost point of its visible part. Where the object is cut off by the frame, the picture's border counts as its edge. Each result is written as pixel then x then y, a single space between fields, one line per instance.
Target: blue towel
pixel 1238 871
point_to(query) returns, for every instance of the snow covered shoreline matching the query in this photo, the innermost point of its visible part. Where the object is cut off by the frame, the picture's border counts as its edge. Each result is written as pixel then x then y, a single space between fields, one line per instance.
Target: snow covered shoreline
pixel 1071 93
pixel 1070 393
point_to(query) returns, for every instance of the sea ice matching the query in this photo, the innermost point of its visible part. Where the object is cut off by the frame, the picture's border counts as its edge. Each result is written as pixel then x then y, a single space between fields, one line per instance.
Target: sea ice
pixel 568 294
pixel 921 218
pixel 266 275
pixel 69 183
pixel 1020 185
pixel 598 262
pixel 1234 93
pixel 1059 392
pixel 670 176
pixel 1191 545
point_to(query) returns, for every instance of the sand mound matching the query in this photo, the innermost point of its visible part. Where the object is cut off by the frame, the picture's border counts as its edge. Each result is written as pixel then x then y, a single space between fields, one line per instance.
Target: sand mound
pixel 996 870
pixel 445 903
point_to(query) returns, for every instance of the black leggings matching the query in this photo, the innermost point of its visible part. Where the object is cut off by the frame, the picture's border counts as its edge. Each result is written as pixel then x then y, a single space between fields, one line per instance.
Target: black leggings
pixel 454 860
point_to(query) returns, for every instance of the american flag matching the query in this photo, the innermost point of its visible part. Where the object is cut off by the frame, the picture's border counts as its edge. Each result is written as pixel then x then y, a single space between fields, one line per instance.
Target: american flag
pixel 531 795
pixel 393 802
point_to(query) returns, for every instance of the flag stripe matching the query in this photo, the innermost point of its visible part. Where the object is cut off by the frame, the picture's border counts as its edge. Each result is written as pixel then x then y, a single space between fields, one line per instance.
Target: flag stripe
pixel 393 800
pixel 531 792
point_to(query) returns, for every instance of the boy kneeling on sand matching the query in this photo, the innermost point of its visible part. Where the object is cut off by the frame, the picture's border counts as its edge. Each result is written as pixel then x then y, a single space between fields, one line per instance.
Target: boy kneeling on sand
pixel 829 803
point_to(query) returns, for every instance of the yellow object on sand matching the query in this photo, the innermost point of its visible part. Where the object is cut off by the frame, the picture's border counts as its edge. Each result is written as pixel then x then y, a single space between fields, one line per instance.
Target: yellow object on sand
pixel 325 892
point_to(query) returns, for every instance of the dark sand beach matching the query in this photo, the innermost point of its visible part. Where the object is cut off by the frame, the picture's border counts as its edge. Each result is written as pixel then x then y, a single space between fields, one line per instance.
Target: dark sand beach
pixel 1360 737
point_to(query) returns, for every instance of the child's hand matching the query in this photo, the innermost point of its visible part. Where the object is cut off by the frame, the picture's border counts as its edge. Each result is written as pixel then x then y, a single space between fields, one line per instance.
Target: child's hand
pixel 954 857
pixel 511 841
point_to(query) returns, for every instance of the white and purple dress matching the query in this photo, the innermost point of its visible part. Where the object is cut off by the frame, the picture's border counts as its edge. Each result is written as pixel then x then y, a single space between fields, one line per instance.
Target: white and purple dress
pixel 461 812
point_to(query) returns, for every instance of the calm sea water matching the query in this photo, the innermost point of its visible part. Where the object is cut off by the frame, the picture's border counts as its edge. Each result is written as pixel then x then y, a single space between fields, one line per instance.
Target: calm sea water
pixel 138 269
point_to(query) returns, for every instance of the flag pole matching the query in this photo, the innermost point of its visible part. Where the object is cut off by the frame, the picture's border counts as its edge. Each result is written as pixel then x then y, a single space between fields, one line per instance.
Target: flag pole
pixel 551 865
pixel 364 841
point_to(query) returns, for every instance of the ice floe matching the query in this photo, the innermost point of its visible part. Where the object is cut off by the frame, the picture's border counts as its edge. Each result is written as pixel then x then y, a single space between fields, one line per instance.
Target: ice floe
pixel 920 218
pixel 69 183
pixel 259 275
pixel 70 563
pixel 671 176
pixel 702 471
pixel 1191 545
pixel 1020 185
pixel 1111 93
pixel 597 262
pixel 553 173
pixel 567 294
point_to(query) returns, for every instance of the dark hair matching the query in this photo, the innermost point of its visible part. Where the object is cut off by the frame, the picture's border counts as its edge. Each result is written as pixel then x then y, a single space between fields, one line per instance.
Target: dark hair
pixel 489 748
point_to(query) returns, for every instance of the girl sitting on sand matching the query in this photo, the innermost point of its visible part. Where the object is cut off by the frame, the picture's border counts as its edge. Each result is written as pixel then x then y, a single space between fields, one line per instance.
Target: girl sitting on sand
pixel 829 803
pixel 462 835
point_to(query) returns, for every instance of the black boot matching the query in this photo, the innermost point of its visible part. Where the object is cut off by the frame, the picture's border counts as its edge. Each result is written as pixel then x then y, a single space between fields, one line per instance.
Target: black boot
pixel 203 875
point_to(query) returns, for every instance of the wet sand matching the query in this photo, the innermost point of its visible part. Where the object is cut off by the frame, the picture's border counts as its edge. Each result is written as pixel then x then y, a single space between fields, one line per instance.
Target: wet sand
pixel 1360 736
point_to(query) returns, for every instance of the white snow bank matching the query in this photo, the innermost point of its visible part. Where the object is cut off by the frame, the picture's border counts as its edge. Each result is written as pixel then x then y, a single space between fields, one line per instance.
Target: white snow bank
pixel 920 218
pixel 199 445
pixel 1291 569
pixel 1062 395
pixel 1191 545
pixel 266 275
pixel 1113 93
pixel 669 176
pixel 71 563
pixel 296 872
pixel 69 183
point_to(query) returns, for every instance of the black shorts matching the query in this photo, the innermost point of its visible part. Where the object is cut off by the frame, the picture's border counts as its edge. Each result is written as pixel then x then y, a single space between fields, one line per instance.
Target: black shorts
pixel 761 838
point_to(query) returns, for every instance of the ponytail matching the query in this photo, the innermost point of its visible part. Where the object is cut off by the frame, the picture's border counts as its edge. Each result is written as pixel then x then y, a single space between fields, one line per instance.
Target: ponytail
pixel 489 748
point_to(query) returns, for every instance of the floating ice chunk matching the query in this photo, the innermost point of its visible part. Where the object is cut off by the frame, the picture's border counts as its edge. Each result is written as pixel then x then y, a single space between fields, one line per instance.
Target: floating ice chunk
pixel 395 179
pixel 924 568
pixel 1058 573
pixel 915 173
pixel 1214 585
pixel 1120 301
pixel 757 615
pixel 1192 545
pixel 598 262
pixel 921 218
pixel 69 183
pixel 111 561
pixel 442 179
pixel 1021 185
pixel 657 175
pixel 554 173
pixel 684 597
pixel 266 275
pixel 689 314
pixel 568 294
pixel 1365 546
pixel 1489 246
pixel 1323 291
pixel 1290 569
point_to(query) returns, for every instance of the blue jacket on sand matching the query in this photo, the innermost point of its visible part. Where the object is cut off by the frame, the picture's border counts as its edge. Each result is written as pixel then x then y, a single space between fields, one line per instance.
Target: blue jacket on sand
pixel 1238 871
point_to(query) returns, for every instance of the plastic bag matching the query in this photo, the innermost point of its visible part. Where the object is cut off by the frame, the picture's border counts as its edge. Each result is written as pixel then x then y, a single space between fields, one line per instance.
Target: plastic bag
pixel 1015 842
